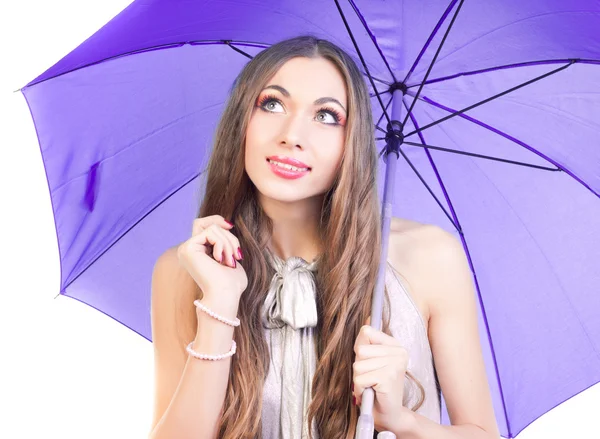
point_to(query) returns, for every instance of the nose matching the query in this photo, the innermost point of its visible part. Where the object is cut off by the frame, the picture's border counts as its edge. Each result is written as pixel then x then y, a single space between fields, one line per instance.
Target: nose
pixel 293 131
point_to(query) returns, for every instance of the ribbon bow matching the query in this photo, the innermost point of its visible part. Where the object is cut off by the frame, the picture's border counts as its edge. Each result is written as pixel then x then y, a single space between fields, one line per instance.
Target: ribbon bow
pixel 290 309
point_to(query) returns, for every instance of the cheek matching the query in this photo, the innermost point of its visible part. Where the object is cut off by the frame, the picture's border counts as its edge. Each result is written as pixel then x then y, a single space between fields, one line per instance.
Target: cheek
pixel 334 153
pixel 254 140
pixel 330 159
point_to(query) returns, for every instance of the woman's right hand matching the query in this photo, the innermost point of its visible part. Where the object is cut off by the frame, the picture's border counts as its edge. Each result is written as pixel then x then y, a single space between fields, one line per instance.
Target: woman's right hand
pixel 211 257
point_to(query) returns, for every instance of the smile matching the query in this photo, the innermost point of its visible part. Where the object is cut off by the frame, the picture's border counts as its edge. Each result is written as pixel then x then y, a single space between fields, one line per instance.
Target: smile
pixel 288 167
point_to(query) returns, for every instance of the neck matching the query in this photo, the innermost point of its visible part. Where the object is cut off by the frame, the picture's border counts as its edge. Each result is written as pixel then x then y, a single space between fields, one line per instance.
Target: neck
pixel 295 227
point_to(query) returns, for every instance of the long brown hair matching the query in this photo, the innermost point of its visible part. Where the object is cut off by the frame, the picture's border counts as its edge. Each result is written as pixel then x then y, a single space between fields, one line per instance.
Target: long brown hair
pixel 350 224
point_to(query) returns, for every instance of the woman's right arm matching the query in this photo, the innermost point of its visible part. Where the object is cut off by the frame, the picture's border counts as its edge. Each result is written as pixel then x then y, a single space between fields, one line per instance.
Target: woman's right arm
pixel 189 392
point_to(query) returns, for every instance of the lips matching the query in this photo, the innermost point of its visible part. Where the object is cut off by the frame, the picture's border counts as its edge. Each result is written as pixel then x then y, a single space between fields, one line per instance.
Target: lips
pixel 288 161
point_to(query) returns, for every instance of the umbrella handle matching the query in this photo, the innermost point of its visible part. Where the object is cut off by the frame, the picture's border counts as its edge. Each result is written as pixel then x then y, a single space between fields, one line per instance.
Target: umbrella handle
pixel 365 425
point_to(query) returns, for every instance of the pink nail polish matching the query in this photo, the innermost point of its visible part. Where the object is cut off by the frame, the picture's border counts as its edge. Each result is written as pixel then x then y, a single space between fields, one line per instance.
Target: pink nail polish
pixel 229 223
pixel 239 252
pixel 353 400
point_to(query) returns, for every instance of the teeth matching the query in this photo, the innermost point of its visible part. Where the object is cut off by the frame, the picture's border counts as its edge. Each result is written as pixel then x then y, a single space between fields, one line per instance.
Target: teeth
pixel 289 167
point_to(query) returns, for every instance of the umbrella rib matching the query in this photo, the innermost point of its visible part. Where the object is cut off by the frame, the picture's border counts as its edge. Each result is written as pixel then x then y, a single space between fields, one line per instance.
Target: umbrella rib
pixel 230 44
pixel 513 139
pixel 381 117
pixel 472 266
pixel 487 157
pixel 379 93
pixel 147 49
pixel 490 99
pixel 433 34
pixel 428 188
pixel 508 66
pixel 247 55
pixel 362 60
pixel 456 226
pixel 437 52
pixel 364 23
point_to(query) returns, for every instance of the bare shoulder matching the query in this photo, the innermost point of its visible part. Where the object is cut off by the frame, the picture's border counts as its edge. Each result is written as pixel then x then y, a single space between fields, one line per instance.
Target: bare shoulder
pixel 411 247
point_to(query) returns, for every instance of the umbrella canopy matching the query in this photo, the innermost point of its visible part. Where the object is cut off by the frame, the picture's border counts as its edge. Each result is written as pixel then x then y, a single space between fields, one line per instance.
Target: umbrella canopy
pixel 508 110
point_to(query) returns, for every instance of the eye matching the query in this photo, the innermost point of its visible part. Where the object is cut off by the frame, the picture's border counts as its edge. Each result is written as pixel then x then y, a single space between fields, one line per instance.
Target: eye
pixel 267 101
pixel 335 116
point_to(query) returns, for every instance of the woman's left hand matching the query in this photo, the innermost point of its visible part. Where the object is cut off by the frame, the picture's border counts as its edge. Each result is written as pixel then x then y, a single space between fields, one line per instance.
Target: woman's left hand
pixel 380 363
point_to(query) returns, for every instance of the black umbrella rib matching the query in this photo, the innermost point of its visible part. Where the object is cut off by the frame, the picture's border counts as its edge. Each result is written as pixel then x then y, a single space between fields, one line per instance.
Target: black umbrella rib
pixel 456 226
pixel 230 44
pixel 490 99
pixel 437 52
pixel 428 188
pixel 364 23
pixel 481 156
pixel 381 117
pixel 147 49
pixel 433 34
pixel 515 140
pixel 508 66
pixel 475 280
pixel 362 60
pixel 379 93
pixel 247 55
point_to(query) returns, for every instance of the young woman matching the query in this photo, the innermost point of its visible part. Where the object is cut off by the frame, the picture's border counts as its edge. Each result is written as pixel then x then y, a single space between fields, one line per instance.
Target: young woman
pixel 294 169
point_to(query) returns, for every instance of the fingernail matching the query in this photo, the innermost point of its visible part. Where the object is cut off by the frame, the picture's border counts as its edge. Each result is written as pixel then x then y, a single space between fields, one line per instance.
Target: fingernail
pixel 229 223
pixel 239 252
pixel 353 400
pixel 234 263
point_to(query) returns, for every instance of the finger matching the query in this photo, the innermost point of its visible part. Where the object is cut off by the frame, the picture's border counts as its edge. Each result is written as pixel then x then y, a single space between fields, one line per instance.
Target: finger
pixel 366 351
pixel 209 237
pixel 368 365
pixel 199 224
pixel 212 236
pixel 228 257
pixel 235 244
pixel 370 335
pixel 377 379
pixel 202 223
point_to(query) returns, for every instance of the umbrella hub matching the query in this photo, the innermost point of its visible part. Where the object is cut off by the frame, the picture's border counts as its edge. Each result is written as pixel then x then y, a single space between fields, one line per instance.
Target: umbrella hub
pixel 394 137
pixel 398 86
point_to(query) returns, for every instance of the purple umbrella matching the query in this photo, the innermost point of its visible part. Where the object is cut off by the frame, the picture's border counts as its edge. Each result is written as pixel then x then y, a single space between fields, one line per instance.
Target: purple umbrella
pixel 490 107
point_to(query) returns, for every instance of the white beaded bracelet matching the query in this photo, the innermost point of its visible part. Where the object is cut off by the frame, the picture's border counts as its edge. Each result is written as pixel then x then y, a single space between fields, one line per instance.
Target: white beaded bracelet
pixel 200 356
pixel 213 314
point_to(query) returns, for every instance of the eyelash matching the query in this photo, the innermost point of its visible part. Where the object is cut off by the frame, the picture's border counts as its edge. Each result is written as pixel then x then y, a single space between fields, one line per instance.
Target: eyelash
pixel 336 115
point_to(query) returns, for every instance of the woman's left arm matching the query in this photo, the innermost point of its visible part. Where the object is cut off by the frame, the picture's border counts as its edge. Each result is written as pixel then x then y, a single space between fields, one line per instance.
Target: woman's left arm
pixel 455 343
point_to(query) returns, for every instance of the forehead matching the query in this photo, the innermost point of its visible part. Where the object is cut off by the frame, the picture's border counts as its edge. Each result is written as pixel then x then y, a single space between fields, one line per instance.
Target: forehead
pixel 308 79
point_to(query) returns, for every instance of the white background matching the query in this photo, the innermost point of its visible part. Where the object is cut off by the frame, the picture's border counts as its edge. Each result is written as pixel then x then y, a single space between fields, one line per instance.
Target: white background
pixel 67 370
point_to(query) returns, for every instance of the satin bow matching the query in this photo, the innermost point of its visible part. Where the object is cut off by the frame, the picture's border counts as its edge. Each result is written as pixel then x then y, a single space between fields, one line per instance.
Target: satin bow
pixel 290 310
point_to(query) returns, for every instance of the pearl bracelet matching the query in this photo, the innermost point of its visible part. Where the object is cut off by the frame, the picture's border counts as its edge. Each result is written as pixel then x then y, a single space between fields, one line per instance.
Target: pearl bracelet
pixel 200 356
pixel 213 314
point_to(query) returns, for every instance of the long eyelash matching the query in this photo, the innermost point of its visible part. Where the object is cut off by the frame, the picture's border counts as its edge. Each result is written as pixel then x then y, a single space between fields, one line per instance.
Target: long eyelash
pixel 336 115
pixel 268 98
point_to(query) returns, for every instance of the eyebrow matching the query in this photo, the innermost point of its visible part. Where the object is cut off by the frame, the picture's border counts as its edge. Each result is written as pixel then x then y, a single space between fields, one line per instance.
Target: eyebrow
pixel 319 101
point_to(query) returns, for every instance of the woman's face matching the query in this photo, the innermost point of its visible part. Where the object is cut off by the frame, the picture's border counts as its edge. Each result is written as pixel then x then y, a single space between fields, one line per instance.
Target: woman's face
pixel 299 115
